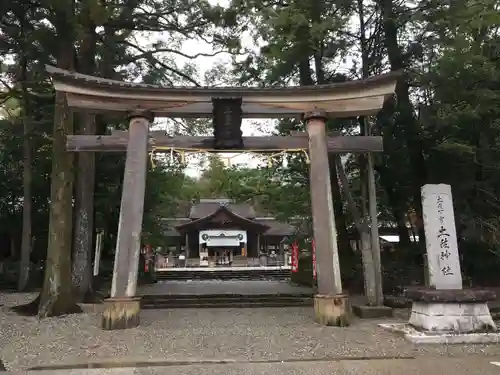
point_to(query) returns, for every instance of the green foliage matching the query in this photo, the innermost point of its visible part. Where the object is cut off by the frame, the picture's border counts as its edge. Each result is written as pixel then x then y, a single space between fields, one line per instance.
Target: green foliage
pixel 164 189
pixel 443 128
pixel 105 37
pixel 464 121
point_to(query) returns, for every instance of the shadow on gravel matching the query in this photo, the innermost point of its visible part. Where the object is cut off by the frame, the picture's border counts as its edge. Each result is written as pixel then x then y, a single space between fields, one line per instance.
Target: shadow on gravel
pixel 31 309
pixel 28 309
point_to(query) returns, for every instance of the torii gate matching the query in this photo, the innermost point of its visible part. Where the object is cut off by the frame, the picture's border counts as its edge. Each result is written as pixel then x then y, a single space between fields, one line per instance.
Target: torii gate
pixel 227 106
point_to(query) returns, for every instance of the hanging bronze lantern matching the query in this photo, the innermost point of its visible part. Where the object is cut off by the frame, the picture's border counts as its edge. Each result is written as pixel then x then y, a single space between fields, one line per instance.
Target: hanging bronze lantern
pixel 227 117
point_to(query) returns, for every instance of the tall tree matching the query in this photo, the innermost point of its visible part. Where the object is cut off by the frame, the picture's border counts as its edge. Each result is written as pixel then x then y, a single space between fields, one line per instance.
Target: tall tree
pixel 85 166
pixel 57 295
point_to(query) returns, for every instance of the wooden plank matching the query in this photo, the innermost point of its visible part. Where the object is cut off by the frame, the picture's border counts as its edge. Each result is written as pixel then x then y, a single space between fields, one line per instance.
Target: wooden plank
pixel 118 143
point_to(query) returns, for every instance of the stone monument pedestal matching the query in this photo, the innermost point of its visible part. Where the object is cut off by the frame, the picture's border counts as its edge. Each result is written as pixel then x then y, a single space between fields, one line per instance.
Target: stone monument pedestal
pixel 451 311
pixel 453 316
pixel 372 312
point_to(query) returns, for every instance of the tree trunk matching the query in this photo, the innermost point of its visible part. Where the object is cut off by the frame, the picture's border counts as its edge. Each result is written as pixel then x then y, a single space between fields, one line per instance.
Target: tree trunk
pixel 405 114
pixel 368 268
pixel 365 238
pixel 375 238
pixel 26 240
pixel 84 223
pixel 338 208
pixel 83 240
pixel 57 295
pixel 13 246
pixel 369 255
pixel 403 232
pixel 364 233
pixel 395 198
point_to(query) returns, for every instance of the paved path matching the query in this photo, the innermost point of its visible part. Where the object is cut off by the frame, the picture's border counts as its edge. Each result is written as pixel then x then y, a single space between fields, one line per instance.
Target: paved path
pixel 201 287
pixel 474 365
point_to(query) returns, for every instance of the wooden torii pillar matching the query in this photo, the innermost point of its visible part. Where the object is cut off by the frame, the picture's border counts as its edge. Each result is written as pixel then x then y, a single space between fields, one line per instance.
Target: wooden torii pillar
pixel 330 304
pixel 122 309
pixel 313 103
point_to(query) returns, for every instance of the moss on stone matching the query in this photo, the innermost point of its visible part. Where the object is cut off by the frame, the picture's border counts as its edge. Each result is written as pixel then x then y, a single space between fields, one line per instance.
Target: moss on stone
pixel 121 313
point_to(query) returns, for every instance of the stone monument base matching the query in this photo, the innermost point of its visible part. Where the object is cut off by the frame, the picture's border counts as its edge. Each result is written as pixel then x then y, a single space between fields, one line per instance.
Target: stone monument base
pixel 460 311
pixel 332 310
pixel 449 316
pixel 448 338
pixel 372 312
pixel 121 313
pixel 452 317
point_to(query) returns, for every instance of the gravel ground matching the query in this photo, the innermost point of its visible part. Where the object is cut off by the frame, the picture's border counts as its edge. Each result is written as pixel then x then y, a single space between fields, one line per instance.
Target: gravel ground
pixel 196 335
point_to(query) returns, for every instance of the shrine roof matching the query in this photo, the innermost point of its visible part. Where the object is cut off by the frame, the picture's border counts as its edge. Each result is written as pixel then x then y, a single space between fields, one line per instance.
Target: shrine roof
pixel 345 99
pixel 277 228
pixel 206 207
pixel 234 217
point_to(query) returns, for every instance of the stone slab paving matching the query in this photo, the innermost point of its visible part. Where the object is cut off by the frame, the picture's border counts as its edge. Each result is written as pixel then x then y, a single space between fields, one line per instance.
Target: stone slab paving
pixel 201 287
pixel 266 334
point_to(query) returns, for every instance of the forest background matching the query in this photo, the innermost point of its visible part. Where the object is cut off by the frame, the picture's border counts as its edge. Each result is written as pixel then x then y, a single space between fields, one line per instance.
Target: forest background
pixel 444 126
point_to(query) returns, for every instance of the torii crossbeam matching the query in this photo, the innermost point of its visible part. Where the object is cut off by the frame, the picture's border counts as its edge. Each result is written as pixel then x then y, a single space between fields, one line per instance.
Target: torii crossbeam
pixel 118 141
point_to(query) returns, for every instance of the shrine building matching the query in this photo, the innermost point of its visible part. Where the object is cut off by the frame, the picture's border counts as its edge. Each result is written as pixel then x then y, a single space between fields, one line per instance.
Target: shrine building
pixel 221 232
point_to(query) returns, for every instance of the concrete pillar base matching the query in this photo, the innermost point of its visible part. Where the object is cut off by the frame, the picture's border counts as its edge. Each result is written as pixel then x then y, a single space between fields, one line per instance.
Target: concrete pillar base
pixel 451 310
pixel 121 313
pixel 452 317
pixel 332 310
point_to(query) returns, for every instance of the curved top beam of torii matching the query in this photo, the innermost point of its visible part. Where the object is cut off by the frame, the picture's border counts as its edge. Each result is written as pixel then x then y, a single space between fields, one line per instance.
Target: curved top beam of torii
pixel 346 99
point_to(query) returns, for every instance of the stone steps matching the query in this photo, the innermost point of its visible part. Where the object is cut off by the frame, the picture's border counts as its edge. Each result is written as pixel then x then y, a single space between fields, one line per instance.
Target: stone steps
pixel 7 286
pixel 252 274
pixel 225 301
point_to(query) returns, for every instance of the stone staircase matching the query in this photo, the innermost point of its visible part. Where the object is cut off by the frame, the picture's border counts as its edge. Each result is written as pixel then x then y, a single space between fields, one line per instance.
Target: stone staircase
pixel 225 301
pixel 7 285
pixel 240 261
pixel 224 274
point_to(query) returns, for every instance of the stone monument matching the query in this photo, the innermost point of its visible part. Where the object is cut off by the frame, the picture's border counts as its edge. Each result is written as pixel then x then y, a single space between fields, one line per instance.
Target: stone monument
pixel 443 262
pixel 445 312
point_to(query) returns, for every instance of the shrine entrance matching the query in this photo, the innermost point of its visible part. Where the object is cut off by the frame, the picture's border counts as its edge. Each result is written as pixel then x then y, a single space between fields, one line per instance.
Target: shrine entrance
pixel 227 107
pixel 221 237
